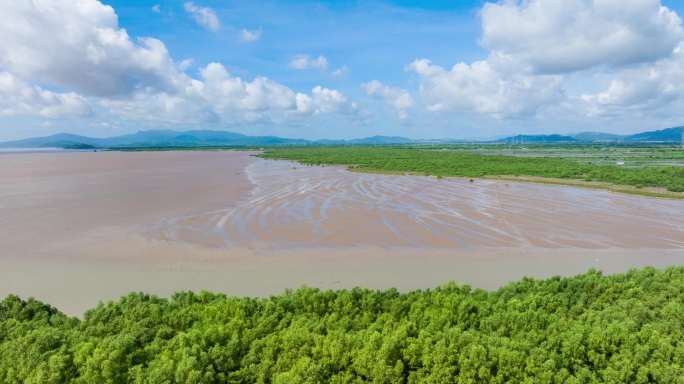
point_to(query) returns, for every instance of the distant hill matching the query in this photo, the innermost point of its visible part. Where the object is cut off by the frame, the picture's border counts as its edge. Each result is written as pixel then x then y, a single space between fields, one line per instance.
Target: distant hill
pixel 373 140
pixel 60 140
pixel 200 138
pixel 537 139
pixel 207 138
pixel 155 138
pixel 382 140
pixel 663 136
pixel 669 135
pixel 597 137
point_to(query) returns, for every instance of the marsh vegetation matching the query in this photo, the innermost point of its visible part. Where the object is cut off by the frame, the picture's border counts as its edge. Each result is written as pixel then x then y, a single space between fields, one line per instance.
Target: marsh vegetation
pixel 656 167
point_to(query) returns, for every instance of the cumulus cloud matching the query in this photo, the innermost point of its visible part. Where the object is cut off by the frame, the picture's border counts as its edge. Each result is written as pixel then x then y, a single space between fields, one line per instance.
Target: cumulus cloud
pixel 161 107
pixel 644 88
pixel 248 36
pixel 185 64
pixel 534 45
pixel 556 36
pixel 78 46
pixel 324 100
pixel 341 71
pixel 330 100
pixel 306 62
pixel 399 99
pixel 228 93
pixel 204 16
pixel 495 86
pixel 219 96
pixel 20 98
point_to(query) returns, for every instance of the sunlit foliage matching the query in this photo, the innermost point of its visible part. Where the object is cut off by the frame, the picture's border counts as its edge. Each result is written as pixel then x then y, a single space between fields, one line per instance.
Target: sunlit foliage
pixel 469 163
pixel 625 328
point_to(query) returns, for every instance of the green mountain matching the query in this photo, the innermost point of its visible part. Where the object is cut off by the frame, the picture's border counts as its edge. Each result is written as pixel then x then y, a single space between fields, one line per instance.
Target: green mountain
pixel 663 136
pixel 199 138
pixel 207 138
pixel 537 139
pixel 156 138
pixel 60 140
pixel 669 135
pixel 373 140
pixel 597 137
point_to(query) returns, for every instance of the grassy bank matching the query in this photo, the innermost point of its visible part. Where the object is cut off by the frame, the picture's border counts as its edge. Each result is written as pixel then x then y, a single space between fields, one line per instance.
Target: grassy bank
pixel 656 180
pixel 625 328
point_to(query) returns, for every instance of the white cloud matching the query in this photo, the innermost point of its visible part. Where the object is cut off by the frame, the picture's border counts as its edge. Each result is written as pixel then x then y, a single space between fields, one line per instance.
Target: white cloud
pixel 161 107
pixel 156 8
pixel 78 47
pixel 248 36
pixel 641 89
pixel 397 98
pixel 304 104
pixel 19 98
pixel 226 92
pixel 185 64
pixel 204 16
pixel 306 62
pixel 219 96
pixel 324 100
pixel 536 46
pixel 496 86
pixel 329 100
pixel 556 36
pixel 341 71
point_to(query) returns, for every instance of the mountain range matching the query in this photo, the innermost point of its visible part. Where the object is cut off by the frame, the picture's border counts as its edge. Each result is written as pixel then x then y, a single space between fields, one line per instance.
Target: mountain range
pixel 206 138
pixel 663 136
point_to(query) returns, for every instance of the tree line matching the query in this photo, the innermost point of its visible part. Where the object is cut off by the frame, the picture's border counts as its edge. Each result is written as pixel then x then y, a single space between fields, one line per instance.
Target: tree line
pixel 625 328
pixel 468 163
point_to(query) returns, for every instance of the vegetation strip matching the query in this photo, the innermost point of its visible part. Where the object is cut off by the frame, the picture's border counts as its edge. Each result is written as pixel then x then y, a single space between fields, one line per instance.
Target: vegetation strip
pixel 659 180
pixel 625 328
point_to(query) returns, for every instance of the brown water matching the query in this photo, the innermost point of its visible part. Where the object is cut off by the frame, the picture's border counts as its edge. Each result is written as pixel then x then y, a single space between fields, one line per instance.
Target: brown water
pixel 76 228
pixel 297 206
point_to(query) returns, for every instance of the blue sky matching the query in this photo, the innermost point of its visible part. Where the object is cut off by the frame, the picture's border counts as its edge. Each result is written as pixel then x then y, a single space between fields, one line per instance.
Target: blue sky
pixel 374 40
pixel 365 67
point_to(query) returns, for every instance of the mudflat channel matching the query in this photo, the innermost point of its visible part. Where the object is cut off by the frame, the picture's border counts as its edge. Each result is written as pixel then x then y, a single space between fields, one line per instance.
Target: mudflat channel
pixel 80 227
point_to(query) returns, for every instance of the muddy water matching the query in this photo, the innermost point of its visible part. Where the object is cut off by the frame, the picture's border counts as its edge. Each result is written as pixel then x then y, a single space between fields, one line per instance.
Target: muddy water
pixel 77 228
pixel 297 206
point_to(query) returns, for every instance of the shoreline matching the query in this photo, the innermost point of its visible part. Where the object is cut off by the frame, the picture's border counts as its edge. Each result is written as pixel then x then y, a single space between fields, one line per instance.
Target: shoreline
pixel 74 228
pixel 80 282
pixel 652 192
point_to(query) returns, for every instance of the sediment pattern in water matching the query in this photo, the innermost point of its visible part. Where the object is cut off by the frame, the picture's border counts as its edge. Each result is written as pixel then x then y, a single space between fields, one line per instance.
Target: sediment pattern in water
pixel 295 205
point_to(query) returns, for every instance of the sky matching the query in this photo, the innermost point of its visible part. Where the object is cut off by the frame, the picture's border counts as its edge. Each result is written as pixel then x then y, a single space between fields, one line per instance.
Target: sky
pixel 341 69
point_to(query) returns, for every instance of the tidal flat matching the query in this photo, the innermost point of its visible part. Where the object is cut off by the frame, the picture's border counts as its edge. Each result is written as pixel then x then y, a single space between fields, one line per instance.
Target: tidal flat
pixel 80 227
